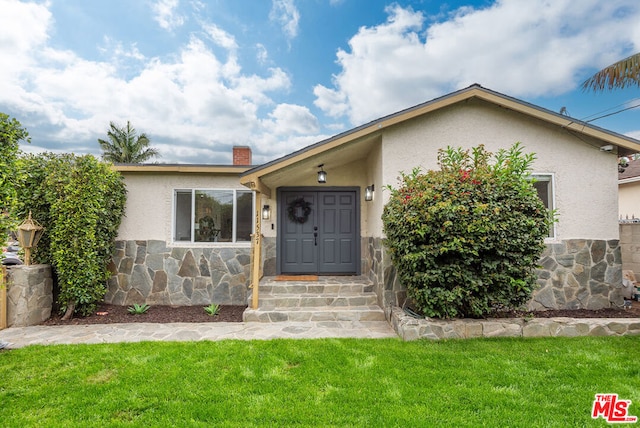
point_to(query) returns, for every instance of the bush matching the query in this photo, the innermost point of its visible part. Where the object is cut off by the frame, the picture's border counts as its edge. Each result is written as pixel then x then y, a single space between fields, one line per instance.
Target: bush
pixel 80 202
pixel 465 240
pixel 11 133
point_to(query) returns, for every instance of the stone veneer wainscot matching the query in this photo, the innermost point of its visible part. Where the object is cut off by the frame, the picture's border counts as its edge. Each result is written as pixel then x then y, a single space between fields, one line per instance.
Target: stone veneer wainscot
pixel 152 272
pixel 573 274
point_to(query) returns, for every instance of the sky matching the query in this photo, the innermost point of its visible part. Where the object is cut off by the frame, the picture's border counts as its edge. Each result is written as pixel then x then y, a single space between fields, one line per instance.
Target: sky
pixel 200 76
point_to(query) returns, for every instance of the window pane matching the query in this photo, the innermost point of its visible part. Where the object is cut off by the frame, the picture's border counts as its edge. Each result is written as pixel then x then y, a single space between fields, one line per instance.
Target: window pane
pixel 183 215
pixel 543 192
pixel 244 203
pixel 543 186
pixel 214 216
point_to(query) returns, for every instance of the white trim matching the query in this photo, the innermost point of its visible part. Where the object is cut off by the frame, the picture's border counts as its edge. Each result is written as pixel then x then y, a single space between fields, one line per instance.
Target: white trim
pixel 629 180
pixel 549 176
pixel 193 243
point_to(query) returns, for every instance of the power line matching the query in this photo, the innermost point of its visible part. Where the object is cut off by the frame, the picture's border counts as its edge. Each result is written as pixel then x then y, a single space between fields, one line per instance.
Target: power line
pixel 586 118
pixel 611 114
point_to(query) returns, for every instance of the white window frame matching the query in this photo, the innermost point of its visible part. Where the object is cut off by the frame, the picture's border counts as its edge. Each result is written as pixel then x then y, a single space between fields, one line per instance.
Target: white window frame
pixel 551 178
pixel 234 226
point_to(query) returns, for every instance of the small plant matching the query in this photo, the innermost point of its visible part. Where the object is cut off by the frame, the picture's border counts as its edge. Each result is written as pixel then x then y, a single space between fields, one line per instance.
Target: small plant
pixel 212 309
pixel 138 309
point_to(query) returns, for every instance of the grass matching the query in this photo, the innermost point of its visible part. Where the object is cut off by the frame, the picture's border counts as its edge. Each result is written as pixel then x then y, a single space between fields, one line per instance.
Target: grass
pixel 328 382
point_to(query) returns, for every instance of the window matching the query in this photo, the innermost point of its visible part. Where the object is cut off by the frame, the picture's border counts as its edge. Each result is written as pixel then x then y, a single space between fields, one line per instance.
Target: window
pixel 213 215
pixel 544 186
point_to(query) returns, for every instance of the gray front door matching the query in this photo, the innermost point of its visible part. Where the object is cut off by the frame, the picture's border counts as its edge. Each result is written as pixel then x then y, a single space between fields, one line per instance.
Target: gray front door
pixel 327 240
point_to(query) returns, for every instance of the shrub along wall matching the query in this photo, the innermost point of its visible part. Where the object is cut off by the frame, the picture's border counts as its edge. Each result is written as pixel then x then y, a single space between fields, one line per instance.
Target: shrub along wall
pixel 465 239
pixel 80 202
pixel 572 274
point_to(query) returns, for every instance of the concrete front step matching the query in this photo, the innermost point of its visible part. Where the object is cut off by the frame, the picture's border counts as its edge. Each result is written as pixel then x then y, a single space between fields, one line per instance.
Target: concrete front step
pixel 315 313
pixel 327 299
pixel 314 288
pixel 341 300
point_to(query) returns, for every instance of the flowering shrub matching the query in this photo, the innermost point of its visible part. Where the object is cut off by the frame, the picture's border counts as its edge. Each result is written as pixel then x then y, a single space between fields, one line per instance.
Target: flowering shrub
pixel 465 240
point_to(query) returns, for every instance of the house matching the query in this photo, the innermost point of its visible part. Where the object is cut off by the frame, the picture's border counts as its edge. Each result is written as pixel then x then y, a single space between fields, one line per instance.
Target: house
pixel 629 215
pixel 318 210
pixel 629 191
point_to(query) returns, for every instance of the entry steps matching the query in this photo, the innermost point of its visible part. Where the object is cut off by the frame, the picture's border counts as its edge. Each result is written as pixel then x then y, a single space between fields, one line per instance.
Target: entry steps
pixel 330 298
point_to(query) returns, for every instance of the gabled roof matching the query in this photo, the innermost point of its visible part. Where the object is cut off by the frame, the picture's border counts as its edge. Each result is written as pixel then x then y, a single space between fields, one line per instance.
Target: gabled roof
pixel 626 145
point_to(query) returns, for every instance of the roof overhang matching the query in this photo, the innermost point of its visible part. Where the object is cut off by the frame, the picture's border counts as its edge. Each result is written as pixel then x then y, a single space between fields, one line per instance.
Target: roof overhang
pixel 181 168
pixel 625 145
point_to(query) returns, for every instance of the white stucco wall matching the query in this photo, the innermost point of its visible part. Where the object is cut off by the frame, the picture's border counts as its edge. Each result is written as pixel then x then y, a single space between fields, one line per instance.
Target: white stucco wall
pixel 372 225
pixel 585 177
pixel 149 208
pixel 629 200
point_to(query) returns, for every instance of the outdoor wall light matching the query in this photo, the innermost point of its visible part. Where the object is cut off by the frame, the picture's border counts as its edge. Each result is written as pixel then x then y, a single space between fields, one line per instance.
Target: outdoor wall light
pixel 322 175
pixel 368 193
pixel 266 212
pixel 29 233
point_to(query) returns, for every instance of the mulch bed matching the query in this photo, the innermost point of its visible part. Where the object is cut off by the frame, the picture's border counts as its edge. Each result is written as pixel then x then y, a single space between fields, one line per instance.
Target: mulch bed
pixel 191 314
pixel 633 312
pixel 155 314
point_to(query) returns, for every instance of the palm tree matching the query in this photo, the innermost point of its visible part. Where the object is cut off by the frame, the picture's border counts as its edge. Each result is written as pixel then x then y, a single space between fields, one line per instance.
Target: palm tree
pixel 621 74
pixel 126 146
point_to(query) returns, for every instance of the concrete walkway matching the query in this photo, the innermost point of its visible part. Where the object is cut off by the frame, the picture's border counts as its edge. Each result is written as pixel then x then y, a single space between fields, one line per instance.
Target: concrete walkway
pixel 17 337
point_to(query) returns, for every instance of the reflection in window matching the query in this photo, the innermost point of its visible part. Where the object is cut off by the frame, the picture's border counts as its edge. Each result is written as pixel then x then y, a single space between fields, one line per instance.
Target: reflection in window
pixel 544 186
pixel 218 215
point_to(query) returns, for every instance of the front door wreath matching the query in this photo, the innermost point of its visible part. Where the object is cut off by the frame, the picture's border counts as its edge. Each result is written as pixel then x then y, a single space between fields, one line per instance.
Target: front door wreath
pixel 299 210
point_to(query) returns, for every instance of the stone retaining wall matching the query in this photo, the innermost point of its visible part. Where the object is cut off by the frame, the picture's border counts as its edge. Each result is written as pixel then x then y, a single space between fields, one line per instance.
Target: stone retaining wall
pixel 154 273
pixel 574 274
pixel 29 295
pixel 409 328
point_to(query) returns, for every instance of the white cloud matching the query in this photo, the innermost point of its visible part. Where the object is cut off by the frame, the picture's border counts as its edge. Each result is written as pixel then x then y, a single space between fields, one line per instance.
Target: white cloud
pixel 24 28
pixel 287 119
pixel 261 54
pixel 194 105
pixel 285 13
pixel 220 37
pixel 165 14
pixel 531 48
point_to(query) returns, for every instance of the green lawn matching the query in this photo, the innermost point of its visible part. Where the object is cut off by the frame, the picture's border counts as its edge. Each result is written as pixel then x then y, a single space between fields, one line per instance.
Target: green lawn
pixel 330 382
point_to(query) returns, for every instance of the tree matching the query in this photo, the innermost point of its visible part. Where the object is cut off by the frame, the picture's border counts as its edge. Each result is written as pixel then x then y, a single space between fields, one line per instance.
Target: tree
pixel 11 133
pixel 621 74
pixel 124 145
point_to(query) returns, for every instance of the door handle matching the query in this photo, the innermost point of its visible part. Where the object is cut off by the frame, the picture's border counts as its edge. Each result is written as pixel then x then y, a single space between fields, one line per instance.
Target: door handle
pixel 315 235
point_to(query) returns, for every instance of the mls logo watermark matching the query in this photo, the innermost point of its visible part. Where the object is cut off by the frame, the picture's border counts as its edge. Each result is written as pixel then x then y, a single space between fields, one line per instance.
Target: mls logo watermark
pixel 612 409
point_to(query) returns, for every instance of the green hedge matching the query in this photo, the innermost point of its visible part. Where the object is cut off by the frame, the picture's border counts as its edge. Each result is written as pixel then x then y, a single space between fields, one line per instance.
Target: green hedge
pixel 80 202
pixel 465 240
pixel 11 133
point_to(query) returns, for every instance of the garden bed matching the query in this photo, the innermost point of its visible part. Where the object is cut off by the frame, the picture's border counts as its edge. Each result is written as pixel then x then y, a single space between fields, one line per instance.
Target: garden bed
pixel 110 314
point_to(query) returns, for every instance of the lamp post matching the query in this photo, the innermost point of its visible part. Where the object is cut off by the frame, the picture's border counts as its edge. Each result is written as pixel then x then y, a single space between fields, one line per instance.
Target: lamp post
pixel 29 234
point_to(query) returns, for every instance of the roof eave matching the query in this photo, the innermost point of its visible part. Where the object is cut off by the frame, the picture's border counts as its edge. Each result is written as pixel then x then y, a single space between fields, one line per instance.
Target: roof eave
pixel 628 144
pixel 181 168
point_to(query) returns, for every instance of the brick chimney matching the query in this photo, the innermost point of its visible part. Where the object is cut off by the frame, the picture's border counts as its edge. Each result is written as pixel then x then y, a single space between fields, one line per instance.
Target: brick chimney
pixel 242 155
